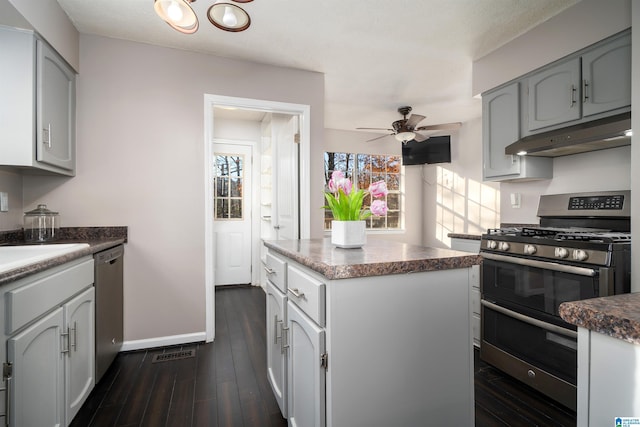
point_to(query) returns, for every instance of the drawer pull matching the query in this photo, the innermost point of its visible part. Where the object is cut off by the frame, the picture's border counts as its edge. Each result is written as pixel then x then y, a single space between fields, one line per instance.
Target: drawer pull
pixel 269 270
pixel 296 293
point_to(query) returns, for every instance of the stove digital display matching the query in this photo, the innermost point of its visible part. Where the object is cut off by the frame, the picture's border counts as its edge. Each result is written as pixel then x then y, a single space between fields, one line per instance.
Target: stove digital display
pixel 596 203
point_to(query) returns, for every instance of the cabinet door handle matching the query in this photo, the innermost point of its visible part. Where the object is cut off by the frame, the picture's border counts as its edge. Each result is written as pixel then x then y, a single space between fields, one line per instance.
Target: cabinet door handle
pixel 275 329
pixel 75 337
pixel 284 346
pixel 585 88
pixel 46 135
pixel 64 336
pixel 296 293
pixel 573 96
pixel 7 375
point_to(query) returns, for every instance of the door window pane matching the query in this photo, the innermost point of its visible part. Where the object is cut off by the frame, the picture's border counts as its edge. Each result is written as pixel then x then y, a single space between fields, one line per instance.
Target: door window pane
pixel 229 179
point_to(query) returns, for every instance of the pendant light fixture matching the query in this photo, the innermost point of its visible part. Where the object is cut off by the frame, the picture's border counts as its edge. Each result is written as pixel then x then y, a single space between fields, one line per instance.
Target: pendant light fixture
pixel 228 16
pixel 178 14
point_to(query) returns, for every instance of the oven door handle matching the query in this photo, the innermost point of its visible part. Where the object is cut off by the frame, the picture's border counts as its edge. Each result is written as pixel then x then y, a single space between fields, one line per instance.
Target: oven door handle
pixel 535 322
pixel 571 269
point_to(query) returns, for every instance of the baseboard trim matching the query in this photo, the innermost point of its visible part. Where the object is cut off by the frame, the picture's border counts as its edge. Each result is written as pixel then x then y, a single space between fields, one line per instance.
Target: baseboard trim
pixel 163 341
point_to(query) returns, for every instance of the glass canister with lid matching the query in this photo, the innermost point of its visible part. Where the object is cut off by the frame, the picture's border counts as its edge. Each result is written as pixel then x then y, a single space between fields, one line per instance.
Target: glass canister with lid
pixel 41 225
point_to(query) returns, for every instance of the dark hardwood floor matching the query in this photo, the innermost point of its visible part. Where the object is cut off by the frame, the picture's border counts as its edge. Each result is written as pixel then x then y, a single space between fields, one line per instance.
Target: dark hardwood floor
pixel 225 384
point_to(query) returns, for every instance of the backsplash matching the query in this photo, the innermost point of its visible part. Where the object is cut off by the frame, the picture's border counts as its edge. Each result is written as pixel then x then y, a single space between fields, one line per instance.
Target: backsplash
pixel 84 234
pixel 11 183
pixel 606 170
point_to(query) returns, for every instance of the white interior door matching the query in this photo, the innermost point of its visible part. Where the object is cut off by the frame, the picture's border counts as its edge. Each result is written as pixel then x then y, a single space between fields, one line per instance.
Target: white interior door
pixel 232 213
pixel 285 169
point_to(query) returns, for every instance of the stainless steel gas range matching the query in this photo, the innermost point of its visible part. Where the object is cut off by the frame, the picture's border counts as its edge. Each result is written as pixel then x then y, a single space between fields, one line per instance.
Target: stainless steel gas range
pixel 580 250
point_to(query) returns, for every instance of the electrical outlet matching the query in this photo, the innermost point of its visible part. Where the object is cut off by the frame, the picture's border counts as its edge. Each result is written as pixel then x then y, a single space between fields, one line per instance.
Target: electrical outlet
pixel 4 201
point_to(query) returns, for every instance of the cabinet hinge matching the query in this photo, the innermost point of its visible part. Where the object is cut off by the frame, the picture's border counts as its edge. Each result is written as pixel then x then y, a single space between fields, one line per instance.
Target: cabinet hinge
pixel 296 138
pixel 7 370
pixel 324 361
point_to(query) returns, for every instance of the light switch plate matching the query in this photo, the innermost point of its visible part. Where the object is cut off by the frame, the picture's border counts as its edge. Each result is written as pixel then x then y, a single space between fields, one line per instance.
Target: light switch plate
pixel 4 201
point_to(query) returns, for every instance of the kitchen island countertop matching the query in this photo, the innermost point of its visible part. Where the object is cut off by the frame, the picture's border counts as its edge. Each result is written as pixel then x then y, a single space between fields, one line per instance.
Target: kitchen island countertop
pixel 376 258
pixel 617 316
pixel 98 238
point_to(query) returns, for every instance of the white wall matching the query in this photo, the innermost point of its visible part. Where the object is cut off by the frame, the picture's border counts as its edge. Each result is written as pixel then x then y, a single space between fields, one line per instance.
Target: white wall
pixel 455 198
pixel 11 183
pixel 140 115
pixel 594 171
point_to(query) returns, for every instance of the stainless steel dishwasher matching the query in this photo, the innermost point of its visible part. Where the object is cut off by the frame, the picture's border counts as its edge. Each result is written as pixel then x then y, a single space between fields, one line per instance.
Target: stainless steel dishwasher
pixel 109 298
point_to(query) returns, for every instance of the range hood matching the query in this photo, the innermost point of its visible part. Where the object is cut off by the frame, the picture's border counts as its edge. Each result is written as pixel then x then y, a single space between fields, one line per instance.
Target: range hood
pixel 590 136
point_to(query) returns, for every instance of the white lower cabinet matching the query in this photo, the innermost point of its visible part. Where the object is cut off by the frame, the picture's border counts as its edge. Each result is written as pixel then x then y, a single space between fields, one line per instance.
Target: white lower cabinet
pixel 36 391
pixel 378 351
pixel 276 351
pixel 80 360
pixel 306 382
pixel 50 341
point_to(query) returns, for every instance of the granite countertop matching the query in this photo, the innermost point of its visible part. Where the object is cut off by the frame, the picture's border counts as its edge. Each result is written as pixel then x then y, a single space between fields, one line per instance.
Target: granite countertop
pixel 376 258
pixel 98 238
pixel 617 316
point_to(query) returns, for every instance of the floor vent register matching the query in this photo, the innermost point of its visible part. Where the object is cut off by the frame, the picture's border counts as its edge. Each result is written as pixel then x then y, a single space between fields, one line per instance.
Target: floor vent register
pixel 173 355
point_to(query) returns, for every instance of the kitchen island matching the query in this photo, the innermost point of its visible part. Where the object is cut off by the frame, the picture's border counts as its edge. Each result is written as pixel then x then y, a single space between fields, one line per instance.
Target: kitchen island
pixel 376 336
pixel 608 358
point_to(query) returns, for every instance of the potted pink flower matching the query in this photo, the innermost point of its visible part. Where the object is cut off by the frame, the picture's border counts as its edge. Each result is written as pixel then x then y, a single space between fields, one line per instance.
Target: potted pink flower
pixel 348 228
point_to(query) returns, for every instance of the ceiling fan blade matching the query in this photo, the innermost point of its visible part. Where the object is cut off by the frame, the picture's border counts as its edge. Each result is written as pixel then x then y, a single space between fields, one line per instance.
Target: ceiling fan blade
pixel 390 130
pixel 379 137
pixel 413 120
pixel 442 126
pixel 420 138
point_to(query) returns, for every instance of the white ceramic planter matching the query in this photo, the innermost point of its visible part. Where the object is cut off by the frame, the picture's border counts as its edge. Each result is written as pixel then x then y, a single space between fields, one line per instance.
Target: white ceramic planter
pixel 348 234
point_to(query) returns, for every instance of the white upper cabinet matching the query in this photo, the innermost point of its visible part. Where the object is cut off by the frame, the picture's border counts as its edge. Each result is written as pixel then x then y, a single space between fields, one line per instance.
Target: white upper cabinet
pixel 587 85
pixel 37 105
pixel 554 95
pixel 501 127
pixel 606 76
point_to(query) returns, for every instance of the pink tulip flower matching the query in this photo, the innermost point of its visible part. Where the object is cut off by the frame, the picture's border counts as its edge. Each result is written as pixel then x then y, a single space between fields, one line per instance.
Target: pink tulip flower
pixel 378 207
pixel 378 189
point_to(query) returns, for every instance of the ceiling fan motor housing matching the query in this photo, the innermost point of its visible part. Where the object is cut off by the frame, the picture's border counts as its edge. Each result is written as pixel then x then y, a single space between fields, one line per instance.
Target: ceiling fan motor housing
pixel 404 110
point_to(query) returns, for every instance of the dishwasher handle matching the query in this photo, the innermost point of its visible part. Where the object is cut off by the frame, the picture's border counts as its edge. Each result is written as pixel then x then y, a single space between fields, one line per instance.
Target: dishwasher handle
pixel 110 256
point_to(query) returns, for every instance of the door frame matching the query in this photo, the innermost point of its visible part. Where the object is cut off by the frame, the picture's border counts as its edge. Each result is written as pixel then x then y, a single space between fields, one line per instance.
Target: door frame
pixel 304 198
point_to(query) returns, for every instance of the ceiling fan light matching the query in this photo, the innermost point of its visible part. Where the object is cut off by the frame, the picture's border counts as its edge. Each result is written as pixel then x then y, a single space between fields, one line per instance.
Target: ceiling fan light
pixel 405 136
pixel 178 14
pixel 228 17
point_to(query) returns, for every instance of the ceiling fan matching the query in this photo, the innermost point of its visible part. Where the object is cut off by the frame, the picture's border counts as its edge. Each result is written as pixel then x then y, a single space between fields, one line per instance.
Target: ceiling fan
pixel 405 129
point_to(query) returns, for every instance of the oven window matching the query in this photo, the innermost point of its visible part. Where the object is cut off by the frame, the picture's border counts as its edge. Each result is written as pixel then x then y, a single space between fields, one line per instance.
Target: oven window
pixel 552 352
pixel 535 288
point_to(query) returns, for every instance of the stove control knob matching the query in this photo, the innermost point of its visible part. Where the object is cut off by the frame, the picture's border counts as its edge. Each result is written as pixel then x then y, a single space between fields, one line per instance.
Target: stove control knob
pixel 580 255
pixel 530 249
pixel 492 244
pixel 561 253
pixel 504 246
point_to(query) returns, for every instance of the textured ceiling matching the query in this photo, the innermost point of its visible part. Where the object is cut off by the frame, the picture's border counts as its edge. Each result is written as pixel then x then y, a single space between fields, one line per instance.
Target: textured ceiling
pixel 376 54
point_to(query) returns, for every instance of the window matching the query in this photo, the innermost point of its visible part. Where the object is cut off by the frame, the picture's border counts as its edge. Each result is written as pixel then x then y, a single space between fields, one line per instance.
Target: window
pixel 362 170
pixel 228 186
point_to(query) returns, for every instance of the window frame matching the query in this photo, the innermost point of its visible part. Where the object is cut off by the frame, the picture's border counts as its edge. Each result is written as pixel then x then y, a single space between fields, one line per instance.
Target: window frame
pixel 351 165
